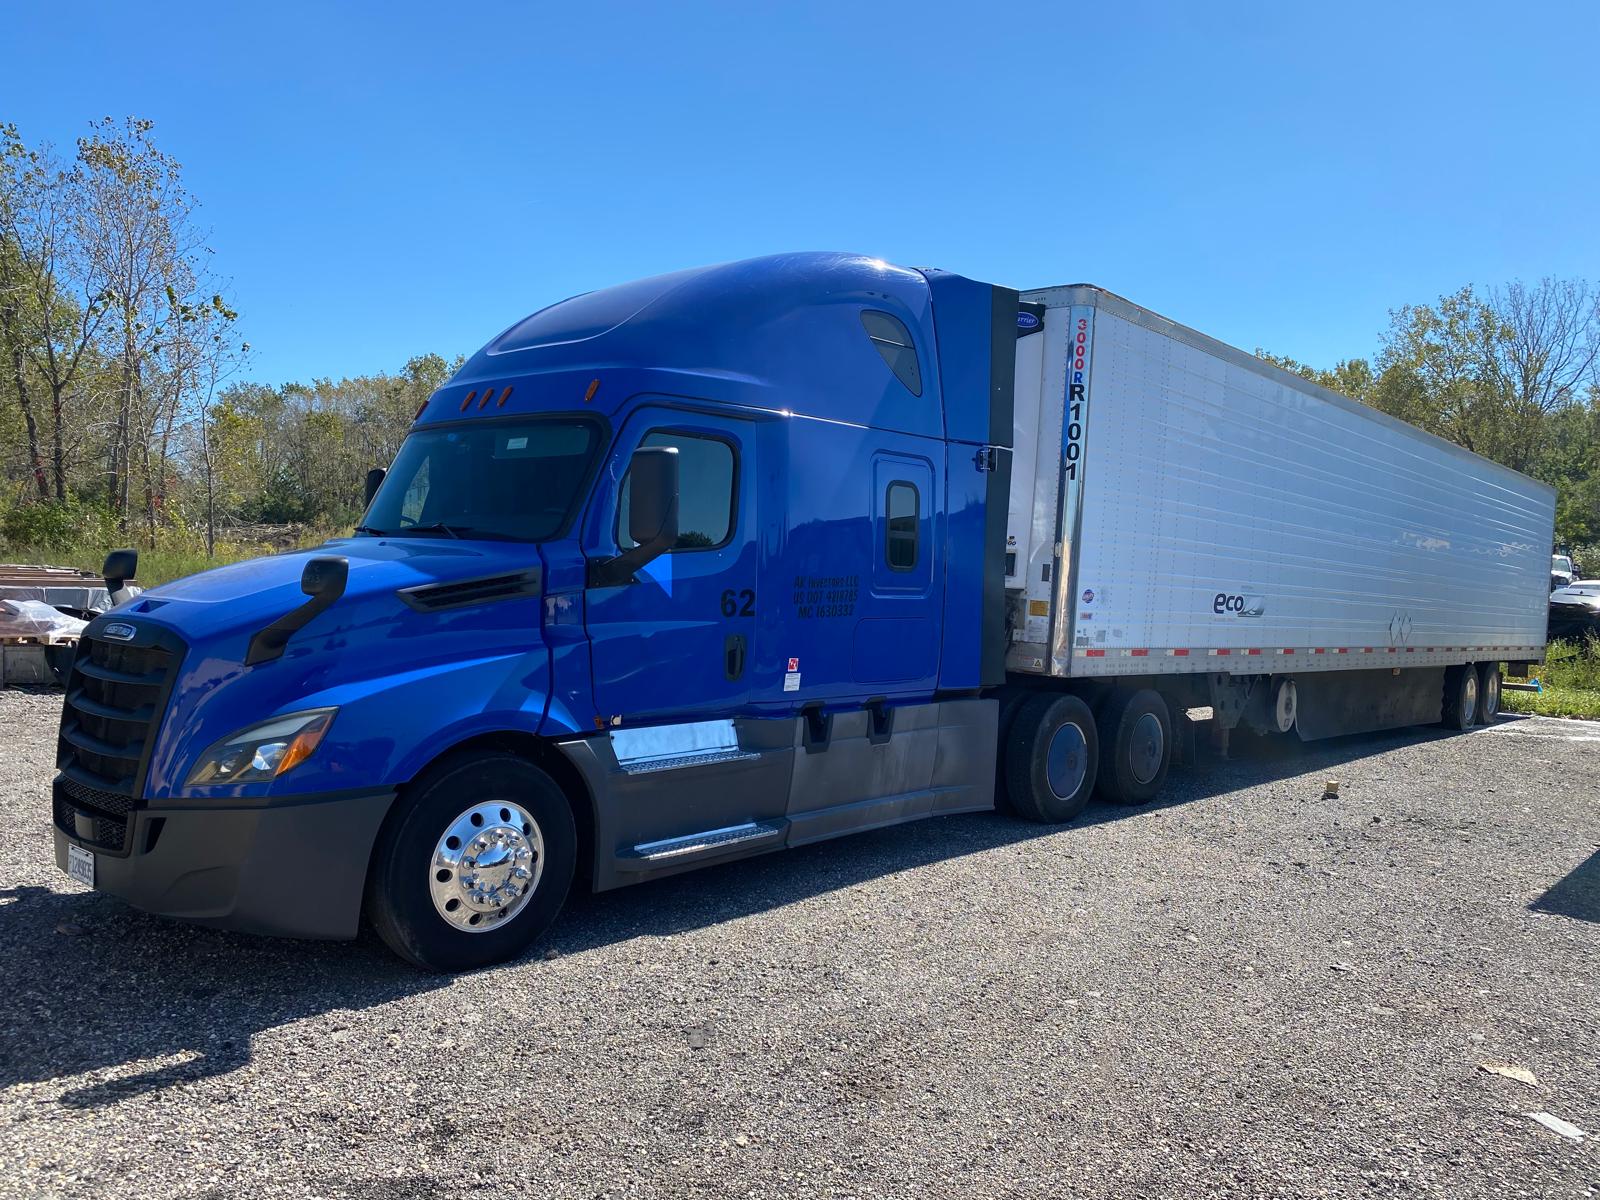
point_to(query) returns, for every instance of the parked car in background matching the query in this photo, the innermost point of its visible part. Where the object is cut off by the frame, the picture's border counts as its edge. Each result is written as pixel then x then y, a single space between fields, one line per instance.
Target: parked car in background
pixel 1562 572
pixel 1575 610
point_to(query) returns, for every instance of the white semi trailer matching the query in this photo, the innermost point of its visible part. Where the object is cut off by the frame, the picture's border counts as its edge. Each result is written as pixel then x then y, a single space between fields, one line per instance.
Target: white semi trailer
pixel 1192 526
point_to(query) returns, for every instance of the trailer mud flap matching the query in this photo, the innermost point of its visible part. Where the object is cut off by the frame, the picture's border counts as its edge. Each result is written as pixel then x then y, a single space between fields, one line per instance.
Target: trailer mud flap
pixel 1340 702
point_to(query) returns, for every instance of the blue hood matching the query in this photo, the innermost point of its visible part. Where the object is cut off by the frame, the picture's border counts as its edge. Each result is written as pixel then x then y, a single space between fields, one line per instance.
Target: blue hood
pixel 404 681
pixel 248 595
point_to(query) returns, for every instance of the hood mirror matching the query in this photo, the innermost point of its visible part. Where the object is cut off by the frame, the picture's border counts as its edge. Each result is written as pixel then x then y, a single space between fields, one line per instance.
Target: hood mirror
pixel 323 579
pixel 121 566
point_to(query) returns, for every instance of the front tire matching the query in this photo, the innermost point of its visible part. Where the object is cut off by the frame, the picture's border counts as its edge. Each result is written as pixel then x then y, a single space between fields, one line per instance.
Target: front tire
pixel 1050 758
pixel 474 863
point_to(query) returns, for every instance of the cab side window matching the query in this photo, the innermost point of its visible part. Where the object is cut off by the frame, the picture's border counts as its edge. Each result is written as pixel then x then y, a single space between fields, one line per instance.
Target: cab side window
pixel 707 474
pixel 903 509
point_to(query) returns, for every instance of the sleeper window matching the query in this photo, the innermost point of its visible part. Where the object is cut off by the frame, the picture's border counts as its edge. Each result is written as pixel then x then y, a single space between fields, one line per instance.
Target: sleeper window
pixel 892 340
pixel 705 490
pixel 902 507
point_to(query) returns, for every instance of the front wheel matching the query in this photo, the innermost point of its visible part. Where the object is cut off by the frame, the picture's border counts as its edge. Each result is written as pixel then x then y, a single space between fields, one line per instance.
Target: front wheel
pixel 474 864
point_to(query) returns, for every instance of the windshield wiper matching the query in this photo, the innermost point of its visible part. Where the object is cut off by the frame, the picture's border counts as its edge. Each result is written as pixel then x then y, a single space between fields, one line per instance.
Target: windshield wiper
pixel 438 527
pixel 372 531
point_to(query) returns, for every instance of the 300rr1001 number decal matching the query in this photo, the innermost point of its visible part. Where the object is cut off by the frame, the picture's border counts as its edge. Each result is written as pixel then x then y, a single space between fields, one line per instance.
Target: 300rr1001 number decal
pixel 739 604
pixel 1076 394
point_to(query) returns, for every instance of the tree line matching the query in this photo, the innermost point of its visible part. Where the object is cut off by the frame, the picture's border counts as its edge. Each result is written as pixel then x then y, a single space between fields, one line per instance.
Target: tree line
pixel 123 416
pixel 1511 373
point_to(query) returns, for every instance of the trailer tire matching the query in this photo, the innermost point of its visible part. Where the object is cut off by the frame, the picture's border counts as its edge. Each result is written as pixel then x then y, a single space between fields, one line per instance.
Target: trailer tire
pixel 1460 696
pixel 1051 758
pixel 1135 747
pixel 517 807
pixel 1488 693
pixel 1011 703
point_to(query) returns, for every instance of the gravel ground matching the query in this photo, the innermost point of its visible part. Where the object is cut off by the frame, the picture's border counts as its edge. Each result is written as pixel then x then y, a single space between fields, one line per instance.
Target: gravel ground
pixel 1245 990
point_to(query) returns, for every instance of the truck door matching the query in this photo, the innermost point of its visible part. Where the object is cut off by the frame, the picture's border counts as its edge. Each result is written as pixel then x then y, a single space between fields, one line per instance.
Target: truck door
pixel 677 643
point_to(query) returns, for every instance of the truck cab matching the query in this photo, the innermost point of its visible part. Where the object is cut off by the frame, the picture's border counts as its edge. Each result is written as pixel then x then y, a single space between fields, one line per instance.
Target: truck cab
pixel 696 567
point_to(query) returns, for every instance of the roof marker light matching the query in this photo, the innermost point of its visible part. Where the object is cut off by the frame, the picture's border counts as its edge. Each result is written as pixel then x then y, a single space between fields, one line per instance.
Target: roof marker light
pixel 488 395
pixel 504 396
pixel 594 386
pixel 468 400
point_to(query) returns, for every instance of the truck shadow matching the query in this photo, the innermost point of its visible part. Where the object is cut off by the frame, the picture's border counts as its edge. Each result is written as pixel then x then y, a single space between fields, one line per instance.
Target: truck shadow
pixel 141 1004
pixel 1576 894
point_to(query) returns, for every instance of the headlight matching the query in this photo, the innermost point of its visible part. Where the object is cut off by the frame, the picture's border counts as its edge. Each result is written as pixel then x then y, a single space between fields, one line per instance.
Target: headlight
pixel 263 751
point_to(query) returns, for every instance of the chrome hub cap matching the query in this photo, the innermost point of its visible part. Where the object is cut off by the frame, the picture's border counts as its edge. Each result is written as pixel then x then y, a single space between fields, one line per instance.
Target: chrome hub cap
pixel 486 866
pixel 1469 696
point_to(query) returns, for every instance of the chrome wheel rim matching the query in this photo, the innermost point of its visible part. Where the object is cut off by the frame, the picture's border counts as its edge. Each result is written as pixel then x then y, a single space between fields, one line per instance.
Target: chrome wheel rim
pixel 486 866
pixel 1469 696
pixel 1491 695
pixel 1067 761
pixel 1145 748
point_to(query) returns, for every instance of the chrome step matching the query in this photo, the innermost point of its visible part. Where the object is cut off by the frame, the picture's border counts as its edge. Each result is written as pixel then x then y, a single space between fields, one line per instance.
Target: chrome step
pixel 702 758
pixel 653 853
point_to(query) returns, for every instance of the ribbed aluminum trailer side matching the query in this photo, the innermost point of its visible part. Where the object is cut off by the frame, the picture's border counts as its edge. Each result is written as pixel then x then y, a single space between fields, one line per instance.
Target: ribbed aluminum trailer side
pixel 1184 502
pixel 1191 526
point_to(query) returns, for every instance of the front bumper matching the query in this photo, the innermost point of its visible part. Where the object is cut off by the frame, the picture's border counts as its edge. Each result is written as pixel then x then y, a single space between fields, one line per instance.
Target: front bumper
pixel 293 868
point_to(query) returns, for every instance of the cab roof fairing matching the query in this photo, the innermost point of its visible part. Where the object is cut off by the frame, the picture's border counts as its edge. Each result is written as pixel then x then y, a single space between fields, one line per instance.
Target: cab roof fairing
pixel 781 332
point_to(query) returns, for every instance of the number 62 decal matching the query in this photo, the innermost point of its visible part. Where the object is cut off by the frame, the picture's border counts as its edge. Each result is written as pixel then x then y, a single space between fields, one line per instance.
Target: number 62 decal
pixel 739 604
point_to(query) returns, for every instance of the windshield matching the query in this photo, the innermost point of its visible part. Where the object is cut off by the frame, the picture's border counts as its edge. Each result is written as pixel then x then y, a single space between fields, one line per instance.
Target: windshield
pixel 1561 562
pixel 504 480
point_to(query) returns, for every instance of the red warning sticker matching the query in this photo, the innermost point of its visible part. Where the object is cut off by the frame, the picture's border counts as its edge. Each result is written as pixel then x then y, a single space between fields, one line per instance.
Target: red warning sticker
pixel 794 664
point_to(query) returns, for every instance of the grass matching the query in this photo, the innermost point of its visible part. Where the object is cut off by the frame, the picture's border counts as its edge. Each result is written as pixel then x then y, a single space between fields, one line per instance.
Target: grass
pixel 1571 680
pixel 170 558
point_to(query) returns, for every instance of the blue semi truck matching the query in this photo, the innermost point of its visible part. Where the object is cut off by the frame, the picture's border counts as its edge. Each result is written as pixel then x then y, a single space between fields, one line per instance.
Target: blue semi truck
pixel 671 573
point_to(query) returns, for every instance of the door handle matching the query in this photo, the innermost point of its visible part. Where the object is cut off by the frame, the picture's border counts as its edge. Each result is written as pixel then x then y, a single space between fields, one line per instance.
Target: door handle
pixel 733 656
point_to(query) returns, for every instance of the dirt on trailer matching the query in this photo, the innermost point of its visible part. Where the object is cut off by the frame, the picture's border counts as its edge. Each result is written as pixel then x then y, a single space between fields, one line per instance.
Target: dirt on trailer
pixel 1261 985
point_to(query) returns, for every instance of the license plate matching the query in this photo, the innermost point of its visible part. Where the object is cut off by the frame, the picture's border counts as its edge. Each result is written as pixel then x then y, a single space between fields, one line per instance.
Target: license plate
pixel 80 865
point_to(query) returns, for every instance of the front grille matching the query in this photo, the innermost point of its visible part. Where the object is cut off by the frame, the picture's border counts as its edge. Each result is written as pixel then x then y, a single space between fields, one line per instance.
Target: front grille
pixel 116 695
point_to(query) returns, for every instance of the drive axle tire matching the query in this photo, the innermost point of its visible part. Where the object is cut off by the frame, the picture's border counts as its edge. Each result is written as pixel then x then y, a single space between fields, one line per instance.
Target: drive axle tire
pixel 1050 758
pixel 1488 693
pixel 473 864
pixel 1011 704
pixel 1135 747
pixel 1460 697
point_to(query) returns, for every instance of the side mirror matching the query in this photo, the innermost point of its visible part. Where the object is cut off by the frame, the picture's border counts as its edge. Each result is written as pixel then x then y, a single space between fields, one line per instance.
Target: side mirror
pixel 121 566
pixel 652 516
pixel 653 497
pixel 374 478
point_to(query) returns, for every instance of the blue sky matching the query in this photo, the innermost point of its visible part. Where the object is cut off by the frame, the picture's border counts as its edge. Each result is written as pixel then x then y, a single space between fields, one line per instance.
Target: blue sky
pixel 384 180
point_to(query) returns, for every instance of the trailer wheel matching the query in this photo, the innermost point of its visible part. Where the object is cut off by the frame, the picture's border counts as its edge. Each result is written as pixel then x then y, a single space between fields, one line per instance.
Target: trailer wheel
pixel 1488 692
pixel 1051 758
pixel 1135 747
pixel 1460 696
pixel 474 863
pixel 1011 703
